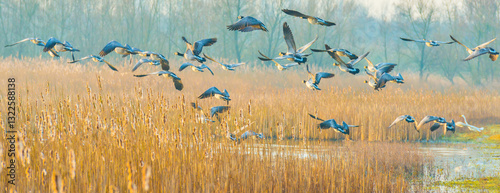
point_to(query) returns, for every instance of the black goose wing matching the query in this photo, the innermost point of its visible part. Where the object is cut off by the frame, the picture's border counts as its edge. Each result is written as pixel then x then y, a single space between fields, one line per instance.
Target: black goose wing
pixel 398 119
pixel 198 45
pixel 108 48
pixel 51 43
pixel 314 117
pixel 320 75
pixel 295 13
pixel 218 109
pixel 243 23
pixel 210 92
pixel 290 42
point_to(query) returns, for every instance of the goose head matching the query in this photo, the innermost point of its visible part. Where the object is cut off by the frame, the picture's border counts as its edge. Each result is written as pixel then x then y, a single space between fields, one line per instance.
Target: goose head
pixel 178 54
pixel 241 17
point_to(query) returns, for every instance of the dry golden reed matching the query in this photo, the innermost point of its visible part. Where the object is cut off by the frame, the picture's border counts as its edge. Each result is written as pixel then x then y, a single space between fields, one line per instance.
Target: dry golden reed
pixel 95 129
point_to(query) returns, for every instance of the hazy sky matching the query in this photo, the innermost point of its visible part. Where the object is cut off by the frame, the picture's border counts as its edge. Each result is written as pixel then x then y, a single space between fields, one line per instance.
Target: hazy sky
pixel 378 8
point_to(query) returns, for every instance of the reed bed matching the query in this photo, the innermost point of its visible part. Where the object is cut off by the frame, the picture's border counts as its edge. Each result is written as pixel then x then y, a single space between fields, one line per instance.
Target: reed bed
pixel 82 127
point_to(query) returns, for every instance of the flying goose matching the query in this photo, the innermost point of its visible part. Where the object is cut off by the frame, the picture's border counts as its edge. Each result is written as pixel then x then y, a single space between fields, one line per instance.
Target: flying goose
pixel 246 135
pixel 228 67
pixel 38 42
pixel 203 118
pixel 95 59
pixel 167 74
pixel 428 43
pixel 314 79
pixel 310 19
pixel 479 50
pixel 407 118
pixel 147 61
pixel 449 126
pixel 194 50
pixel 214 111
pixel 346 67
pixel 280 66
pixel 247 24
pixel 214 92
pixel 380 68
pixel 293 54
pixel 340 52
pixel 331 123
pixel 195 68
pixel 470 127
pixel 429 118
pixel 155 56
pixel 117 47
pixel 59 46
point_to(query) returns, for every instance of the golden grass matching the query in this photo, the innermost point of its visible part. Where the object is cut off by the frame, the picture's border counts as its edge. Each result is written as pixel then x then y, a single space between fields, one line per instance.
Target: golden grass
pixel 85 128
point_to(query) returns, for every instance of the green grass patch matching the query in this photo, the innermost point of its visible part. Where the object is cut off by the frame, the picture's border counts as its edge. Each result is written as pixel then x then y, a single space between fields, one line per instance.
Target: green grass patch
pixel 486 183
pixel 490 134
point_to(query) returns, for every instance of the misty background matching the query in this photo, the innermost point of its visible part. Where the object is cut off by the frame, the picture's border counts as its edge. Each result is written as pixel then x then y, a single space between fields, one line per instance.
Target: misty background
pixel 158 25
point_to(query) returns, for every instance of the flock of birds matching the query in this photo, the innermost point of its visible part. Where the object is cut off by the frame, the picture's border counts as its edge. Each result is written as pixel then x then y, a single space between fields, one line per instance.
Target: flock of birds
pixel 378 74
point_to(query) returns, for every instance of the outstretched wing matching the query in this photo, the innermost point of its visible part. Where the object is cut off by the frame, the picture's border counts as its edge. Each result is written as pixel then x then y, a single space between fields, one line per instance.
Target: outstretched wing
pixel 27 39
pixel 198 45
pixel 290 42
pixel 244 23
pixel 410 40
pixel 185 65
pixel 205 66
pixel 320 75
pixel 295 13
pixel 484 44
pixel 426 119
pixel 110 47
pixel 314 117
pixel 50 44
pixel 210 92
pixel 140 62
pixel 218 109
pixel 304 48
pixel 476 53
pixel 400 118
pixel 468 49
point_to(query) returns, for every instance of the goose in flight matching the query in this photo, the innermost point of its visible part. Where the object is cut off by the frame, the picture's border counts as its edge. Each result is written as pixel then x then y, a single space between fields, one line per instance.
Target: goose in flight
pixel 470 127
pixel 428 119
pixel 280 66
pixel 38 42
pixel 117 47
pixel 479 50
pixel 314 79
pixel 158 57
pixel 247 24
pixel 380 68
pixel 214 92
pixel 194 50
pixel 428 43
pixel 293 54
pixel 59 46
pixel 215 111
pixel 167 74
pixel 145 61
pixel 203 118
pixel 195 68
pixel 449 126
pixel 331 123
pixel 407 118
pixel 340 52
pixel 311 19
pixel 228 67
pixel 346 67
pixel 96 59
